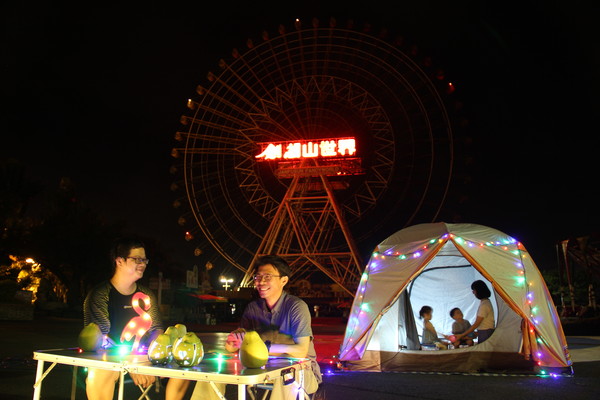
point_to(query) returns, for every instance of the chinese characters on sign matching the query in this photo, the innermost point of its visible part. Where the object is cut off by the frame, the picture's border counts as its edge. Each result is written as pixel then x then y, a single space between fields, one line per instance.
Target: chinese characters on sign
pixel 342 147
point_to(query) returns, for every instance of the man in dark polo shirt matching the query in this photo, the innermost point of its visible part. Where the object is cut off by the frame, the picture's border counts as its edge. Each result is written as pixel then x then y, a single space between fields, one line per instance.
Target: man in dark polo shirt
pixel 281 319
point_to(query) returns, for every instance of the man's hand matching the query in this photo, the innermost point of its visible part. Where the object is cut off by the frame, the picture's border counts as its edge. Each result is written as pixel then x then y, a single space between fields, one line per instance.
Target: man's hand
pixel 234 340
pixel 142 380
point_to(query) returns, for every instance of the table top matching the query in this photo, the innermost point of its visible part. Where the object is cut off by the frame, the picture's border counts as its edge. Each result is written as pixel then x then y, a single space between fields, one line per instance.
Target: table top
pixel 216 367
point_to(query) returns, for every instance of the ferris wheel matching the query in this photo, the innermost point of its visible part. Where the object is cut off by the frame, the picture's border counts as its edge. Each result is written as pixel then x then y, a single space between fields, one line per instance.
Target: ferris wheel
pixel 309 82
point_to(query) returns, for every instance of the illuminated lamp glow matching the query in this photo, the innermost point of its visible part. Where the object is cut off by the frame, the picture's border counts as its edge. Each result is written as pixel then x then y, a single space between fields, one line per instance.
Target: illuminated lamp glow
pixel 432 241
pixel 365 307
pixel 417 255
pixel 470 244
pixel 530 295
pixel 445 236
pixel 402 257
pixel 146 316
pixel 542 372
pixel 489 244
pixel 520 280
pixel 535 309
pixel 459 240
pixel 131 324
pixel 539 340
pixel 516 252
pixel 364 276
pixel 123 350
pixel 504 248
pixel 141 332
pixel 539 354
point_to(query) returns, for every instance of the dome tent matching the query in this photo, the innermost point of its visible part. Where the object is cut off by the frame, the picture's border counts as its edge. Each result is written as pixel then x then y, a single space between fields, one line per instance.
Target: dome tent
pixel 434 264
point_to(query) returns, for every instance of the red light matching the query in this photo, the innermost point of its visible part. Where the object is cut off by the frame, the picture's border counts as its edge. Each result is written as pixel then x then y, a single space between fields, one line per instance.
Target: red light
pixel 450 89
pixel 80 350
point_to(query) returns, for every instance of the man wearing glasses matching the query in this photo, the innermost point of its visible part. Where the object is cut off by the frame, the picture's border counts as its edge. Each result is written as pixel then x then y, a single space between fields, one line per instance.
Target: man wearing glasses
pixel 282 320
pixel 110 306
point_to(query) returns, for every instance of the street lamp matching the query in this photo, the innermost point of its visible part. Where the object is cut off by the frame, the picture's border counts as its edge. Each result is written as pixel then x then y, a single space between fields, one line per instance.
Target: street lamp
pixel 226 282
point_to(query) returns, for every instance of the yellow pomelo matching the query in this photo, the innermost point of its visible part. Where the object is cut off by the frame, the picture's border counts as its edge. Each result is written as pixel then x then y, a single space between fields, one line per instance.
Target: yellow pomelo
pixel 90 337
pixel 188 350
pixel 253 351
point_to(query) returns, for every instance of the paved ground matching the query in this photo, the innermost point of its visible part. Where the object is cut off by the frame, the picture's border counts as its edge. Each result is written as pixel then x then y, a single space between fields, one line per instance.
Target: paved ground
pixel 21 338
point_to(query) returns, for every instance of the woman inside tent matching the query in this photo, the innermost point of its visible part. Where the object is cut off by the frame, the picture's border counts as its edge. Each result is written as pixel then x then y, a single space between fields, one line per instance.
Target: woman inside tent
pixel 484 323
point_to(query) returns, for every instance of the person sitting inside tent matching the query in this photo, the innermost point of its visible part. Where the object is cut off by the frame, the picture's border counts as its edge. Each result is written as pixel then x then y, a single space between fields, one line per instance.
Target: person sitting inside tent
pixel 484 323
pixel 430 336
pixel 460 325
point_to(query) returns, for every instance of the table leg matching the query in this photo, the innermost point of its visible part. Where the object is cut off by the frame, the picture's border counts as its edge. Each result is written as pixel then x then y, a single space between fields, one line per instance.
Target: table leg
pixel 241 392
pixel 38 376
pixel 121 381
pixel 216 390
pixel 74 383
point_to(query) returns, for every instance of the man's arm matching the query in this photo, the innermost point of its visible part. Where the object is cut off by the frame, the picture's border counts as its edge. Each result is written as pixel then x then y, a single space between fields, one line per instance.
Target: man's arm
pixel 297 350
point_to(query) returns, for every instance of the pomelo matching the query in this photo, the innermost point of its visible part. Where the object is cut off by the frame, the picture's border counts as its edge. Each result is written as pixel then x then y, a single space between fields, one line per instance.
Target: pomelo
pixel 90 337
pixel 253 351
pixel 188 350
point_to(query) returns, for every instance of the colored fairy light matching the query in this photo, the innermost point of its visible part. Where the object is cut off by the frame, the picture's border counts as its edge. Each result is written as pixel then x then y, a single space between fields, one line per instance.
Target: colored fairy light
pixel 365 307
pixel 539 354
pixel 489 244
pixel 516 252
pixel 519 265
pixel 520 280
pixel 402 257
pixel 432 240
pixel 445 236
pixel 417 254
pixel 543 372
pixel 534 309
pixel 470 244
pixel 459 240
pixel 365 276
pixel 540 341
pixel 530 295
pixel 504 248
pixel 535 321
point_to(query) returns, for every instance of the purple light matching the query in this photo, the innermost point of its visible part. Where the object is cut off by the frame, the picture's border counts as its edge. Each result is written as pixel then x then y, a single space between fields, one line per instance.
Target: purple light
pixel 445 236
pixel 417 254
pixel 539 354
pixel 530 295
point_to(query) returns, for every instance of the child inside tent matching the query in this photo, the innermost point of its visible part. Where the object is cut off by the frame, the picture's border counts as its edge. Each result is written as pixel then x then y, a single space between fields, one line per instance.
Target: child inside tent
pixel 429 339
pixel 460 325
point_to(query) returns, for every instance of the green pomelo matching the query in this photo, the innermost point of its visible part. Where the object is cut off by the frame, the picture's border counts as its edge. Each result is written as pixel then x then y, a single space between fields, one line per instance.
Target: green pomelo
pixel 182 329
pixel 173 334
pixel 253 351
pixel 90 337
pixel 188 350
pixel 163 339
pixel 159 351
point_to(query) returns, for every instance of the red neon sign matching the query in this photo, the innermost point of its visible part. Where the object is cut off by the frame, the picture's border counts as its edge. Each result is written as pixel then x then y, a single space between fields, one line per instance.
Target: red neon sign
pixel 341 147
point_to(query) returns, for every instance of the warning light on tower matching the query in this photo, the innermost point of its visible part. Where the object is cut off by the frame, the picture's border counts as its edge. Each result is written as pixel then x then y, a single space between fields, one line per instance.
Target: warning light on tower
pixel 324 148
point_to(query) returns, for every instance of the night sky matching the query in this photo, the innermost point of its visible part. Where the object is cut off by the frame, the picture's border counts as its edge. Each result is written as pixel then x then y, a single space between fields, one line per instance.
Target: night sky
pixel 95 93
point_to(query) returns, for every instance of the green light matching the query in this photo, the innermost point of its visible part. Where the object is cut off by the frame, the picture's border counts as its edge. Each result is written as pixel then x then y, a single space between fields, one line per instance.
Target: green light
pixel 539 341
pixel 543 372
pixel 520 280
pixel 516 252
pixel 365 276
pixel 365 307
pixel 459 240
pixel 534 309
pixel 433 241
pixel 403 257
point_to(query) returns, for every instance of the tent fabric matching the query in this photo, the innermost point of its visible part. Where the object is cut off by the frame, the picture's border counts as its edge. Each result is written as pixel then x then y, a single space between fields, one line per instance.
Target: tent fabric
pixel 434 264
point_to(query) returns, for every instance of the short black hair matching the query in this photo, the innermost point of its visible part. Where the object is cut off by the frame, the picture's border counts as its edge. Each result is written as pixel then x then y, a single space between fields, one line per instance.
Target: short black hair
pixel 455 309
pixel 424 310
pixel 481 290
pixel 122 246
pixel 282 267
